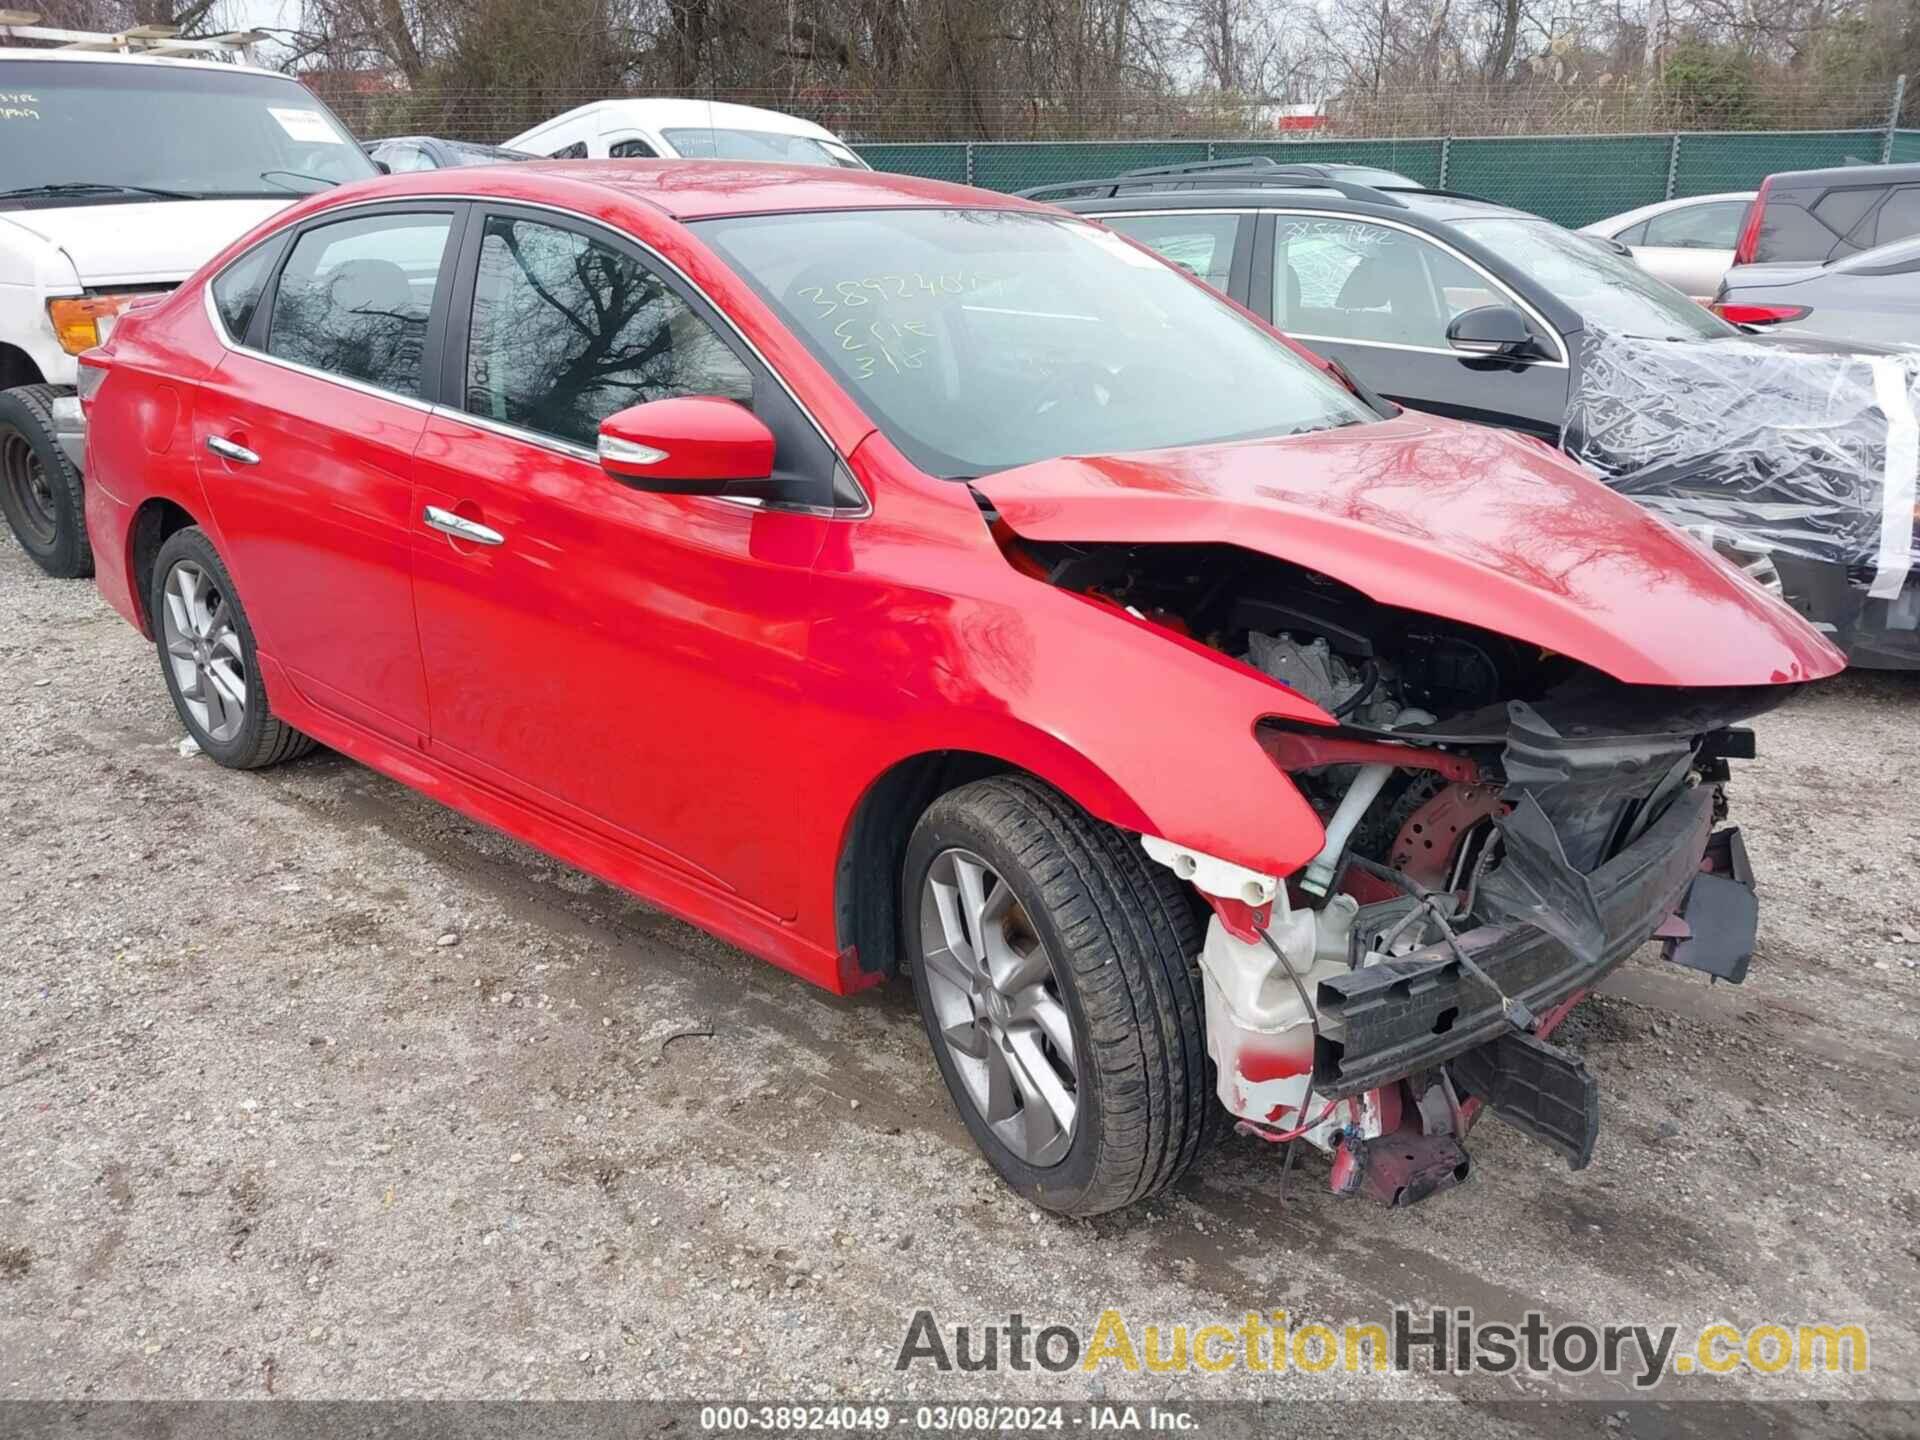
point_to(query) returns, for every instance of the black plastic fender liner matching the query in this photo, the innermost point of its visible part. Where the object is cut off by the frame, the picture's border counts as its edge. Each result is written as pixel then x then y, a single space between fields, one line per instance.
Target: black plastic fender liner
pixel 1721 914
pixel 1539 1089
pixel 1390 1019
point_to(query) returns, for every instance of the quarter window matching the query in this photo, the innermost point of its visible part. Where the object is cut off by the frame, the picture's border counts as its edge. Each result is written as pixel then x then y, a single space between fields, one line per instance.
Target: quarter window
pixel 575 151
pixel 1349 280
pixel 237 289
pixel 1201 245
pixel 566 330
pixel 354 297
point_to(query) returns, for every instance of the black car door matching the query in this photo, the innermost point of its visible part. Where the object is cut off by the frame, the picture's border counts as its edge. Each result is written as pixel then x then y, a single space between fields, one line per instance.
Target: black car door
pixel 1378 296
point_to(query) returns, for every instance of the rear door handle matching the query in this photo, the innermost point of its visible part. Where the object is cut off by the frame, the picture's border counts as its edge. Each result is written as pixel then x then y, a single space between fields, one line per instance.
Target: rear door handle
pixel 462 528
pixel 227 450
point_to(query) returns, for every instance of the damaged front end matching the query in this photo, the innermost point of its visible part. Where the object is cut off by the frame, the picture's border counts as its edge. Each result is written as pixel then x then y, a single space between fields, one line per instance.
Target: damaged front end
pixel 1503 825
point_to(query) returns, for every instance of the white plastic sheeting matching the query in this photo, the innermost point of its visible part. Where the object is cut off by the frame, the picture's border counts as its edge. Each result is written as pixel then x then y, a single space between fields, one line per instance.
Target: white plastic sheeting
pixel 1765 449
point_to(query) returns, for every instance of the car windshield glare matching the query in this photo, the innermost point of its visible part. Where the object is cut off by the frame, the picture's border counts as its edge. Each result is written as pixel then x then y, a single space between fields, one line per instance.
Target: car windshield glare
pixel 979 340
pixel 200 130
pixel 1603 288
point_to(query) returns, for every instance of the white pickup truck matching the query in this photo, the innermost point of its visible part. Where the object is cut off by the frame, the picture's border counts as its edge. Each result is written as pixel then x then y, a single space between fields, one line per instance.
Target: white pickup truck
pixel 120 175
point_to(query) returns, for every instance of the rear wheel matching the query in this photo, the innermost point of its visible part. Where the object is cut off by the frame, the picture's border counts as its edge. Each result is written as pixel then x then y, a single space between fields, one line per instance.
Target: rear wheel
pixel 39 487
pixel 1054 965
pixel 207 654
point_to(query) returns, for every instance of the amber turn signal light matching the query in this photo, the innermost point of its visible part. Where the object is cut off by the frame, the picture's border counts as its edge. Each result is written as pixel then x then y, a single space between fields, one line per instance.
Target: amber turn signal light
pixel 77 319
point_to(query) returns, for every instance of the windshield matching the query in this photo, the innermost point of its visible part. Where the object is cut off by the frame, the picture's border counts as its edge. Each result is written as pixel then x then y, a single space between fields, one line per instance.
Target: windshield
pixel 1605 289
pixel 196 130
pixel 703 143
pixel 983 339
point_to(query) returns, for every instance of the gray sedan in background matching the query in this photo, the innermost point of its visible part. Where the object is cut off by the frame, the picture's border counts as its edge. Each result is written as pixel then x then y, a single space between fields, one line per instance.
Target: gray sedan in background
pixel 1871 296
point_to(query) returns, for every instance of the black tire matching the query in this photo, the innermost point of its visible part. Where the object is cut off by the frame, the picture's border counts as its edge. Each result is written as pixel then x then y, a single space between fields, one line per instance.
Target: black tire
pixel 39 487
pixel 1124 937
pixel 260 738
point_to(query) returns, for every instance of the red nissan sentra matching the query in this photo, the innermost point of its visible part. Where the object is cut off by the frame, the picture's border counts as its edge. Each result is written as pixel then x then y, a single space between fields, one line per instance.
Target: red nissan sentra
pixel 893 577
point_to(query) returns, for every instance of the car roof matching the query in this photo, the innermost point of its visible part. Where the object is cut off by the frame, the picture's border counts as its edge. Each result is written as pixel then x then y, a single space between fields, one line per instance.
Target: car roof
pixel 696 189
pixel 663 112
pixel 1432 205
pixel 1661 207
pixel 1846 175
pixel 108 57
pixel 479 145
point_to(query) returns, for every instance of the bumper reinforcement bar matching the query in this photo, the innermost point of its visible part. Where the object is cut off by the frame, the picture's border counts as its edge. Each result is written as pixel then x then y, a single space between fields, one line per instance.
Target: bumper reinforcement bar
pixel 1388 1020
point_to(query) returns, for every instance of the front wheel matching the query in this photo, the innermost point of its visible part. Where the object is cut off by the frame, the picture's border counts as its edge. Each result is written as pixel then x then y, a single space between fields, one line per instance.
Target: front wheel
pixel 39 486
pixel 1054 965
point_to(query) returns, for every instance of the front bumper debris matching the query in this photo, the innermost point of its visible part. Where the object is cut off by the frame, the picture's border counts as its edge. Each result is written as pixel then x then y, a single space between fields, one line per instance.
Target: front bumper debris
pixel 1388 1020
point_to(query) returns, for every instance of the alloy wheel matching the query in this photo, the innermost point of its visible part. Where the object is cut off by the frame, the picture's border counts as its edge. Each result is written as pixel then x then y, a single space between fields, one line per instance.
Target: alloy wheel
pixel 27 482
pixel 997 1003
pixel 203 647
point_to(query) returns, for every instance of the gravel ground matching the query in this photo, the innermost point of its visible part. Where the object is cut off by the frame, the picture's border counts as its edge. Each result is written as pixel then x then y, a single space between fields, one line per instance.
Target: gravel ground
pixel 312 1088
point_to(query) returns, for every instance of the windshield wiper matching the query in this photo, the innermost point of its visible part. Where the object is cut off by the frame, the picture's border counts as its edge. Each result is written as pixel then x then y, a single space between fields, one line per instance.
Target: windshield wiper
pixel 94 187
pixel 321 180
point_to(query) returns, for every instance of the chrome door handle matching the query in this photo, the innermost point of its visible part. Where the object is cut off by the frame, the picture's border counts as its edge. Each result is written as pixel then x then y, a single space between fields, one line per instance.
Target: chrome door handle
pixel 462 528
pixel 227 450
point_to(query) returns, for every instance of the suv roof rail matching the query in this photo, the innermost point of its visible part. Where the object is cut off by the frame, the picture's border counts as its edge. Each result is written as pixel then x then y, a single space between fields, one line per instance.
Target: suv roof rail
pixel 1202 167
pixel 160 40
pixel 1280 177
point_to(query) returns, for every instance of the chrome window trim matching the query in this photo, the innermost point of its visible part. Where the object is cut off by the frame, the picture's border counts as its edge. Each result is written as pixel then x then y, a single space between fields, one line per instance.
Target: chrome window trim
pixel 1557 362
pixel 837 512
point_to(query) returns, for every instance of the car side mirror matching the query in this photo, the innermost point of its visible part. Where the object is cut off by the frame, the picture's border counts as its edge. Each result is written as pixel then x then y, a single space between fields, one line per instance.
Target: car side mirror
pixel 1491 330
pixel 690 445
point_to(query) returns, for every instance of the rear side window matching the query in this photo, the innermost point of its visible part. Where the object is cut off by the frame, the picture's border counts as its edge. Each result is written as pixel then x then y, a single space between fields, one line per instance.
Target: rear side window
pixel 1841 210
pixel 1201 245
pixel 1633 234
pixel 401 159
pixel 1789 232
pixel 354 297
pixel 566 330
pixel 1899 217
pixel 1697 227
pixel 237 289
pixel 631 150
pixel 575 151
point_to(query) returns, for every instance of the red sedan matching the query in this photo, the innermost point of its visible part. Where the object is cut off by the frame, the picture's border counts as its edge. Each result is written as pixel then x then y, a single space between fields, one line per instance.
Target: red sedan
pixel 892 577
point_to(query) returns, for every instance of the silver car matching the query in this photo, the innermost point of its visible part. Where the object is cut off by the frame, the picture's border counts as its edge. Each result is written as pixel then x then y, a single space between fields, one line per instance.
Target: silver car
pixel 1872 296
pixel 1688 243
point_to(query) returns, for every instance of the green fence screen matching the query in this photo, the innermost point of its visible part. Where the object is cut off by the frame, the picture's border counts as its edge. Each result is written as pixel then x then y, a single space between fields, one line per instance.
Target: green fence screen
pixel 1573 179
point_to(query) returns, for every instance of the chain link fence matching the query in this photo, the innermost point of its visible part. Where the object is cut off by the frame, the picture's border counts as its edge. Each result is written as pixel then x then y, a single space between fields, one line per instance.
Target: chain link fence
pixel 1518 148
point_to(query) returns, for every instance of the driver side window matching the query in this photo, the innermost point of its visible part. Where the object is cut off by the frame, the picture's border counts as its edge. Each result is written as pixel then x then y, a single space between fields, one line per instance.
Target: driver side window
pixel 1350 280
pixel 567 329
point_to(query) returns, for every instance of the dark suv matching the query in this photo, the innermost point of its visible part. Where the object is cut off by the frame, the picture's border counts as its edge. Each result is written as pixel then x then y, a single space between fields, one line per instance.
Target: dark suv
pixel 1451 304
pixel 1813 216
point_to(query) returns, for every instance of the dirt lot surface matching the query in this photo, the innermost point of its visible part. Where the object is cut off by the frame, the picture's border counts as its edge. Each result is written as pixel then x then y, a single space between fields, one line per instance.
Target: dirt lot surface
pixel 309 1087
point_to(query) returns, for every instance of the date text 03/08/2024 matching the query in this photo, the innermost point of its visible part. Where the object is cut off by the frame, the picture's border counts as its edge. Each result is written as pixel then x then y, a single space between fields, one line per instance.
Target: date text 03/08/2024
pixel 944 1419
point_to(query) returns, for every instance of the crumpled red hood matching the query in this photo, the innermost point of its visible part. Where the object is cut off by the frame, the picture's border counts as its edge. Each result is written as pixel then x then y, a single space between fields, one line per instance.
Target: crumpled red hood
pixel 1451 520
